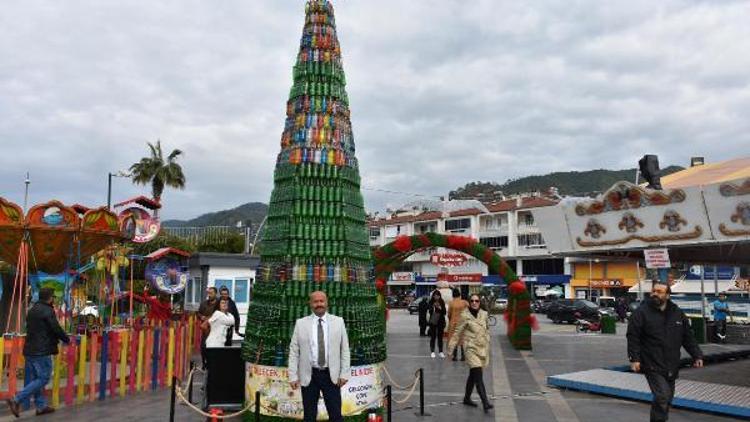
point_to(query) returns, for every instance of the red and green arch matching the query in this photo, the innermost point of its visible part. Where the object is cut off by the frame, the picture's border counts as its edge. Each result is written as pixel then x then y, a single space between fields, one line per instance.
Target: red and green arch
pixel 388 257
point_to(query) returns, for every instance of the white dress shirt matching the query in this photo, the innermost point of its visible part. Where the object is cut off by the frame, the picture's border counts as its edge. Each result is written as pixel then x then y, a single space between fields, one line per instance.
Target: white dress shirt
pixel 314 339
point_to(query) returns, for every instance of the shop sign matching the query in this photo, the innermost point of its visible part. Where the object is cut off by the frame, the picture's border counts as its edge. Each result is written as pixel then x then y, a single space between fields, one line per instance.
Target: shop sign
pixel 657 258
pixel 448 259
pixel 362 391
pixel 461 278
pixel 402 276
pixel 606 283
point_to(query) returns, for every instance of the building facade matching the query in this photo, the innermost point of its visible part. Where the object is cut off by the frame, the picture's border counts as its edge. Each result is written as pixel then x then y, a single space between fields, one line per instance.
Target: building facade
pixel 507 226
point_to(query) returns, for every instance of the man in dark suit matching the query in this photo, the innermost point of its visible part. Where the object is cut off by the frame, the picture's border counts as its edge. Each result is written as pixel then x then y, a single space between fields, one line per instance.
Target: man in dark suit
pixel 232 308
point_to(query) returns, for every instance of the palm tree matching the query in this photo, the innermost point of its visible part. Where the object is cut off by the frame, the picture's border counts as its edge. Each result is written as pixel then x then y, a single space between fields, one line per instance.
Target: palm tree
pixel 158 171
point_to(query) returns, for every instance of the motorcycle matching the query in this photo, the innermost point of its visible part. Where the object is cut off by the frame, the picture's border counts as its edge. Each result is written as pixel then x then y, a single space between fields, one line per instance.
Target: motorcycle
pixel 587 325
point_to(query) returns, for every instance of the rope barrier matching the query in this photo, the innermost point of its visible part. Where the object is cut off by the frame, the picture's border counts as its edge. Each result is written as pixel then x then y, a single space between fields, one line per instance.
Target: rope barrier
pixel 400 387
pixel 410 393
pixel 178 392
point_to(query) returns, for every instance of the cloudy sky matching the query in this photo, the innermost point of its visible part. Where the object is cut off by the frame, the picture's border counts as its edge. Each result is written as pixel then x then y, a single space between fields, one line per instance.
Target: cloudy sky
pixel 442 93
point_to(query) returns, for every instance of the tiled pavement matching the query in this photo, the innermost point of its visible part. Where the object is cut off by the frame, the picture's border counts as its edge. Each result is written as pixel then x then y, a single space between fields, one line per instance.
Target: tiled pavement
pixel 523 397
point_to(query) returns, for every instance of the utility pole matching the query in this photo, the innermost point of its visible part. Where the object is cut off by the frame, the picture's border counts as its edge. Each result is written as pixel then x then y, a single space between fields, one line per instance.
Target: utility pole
pixel 26 194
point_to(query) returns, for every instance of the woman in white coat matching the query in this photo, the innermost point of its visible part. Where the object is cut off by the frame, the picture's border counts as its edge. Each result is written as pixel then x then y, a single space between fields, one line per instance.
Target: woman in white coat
pixel 220 322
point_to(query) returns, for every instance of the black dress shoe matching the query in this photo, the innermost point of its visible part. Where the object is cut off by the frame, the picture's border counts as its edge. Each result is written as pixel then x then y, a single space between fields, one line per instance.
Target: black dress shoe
pixel 47 410
pixel 14 407
pixel 470 402
pixel 487 407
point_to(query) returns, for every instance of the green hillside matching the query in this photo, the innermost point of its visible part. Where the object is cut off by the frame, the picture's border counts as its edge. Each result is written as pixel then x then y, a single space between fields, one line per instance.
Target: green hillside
pixel 251 214
pixel 568 183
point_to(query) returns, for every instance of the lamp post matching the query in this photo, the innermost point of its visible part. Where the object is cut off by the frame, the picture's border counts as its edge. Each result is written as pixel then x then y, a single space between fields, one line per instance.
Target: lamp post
pixel 110 175
pixel 590 271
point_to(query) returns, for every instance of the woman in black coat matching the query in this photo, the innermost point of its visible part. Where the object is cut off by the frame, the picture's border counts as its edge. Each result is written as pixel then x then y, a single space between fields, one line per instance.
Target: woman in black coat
pixel 436 319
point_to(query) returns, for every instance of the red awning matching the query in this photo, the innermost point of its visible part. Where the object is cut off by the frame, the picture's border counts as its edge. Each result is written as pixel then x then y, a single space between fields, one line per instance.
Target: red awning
pixel 160 253
pixel 143 201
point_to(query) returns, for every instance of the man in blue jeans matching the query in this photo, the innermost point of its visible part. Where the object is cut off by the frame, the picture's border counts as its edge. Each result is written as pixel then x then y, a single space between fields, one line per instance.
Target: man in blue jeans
pixel 42 334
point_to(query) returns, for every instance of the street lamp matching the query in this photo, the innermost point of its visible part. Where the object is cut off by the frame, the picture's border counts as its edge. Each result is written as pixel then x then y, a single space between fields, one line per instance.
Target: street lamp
pixel 109 185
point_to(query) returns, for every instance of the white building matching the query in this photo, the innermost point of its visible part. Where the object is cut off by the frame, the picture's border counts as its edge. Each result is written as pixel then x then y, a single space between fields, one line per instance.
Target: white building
pixel 211 269
pixel 508 227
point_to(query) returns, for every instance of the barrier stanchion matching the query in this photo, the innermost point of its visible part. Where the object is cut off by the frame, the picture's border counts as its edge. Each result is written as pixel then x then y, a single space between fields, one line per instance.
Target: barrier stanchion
pixel 389 400
pixel 172 400
pixel 421 394
pixel 257 406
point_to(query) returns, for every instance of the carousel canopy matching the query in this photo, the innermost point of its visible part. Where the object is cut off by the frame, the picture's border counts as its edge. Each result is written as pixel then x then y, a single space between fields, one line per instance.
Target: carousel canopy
pixel 58 237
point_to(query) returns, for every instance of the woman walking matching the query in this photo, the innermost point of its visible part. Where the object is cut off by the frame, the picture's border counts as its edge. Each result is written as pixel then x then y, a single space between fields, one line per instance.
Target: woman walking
pixel 436 319
pixel 474 331
pixel 455 310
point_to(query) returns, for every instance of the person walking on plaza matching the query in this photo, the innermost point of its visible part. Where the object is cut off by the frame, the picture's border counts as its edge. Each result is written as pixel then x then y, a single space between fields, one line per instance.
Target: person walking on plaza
pixel 621 309
pixel 455 311
pixel 656 332
pixel 473 329
pixel 205 310
pixel 422 310
pixel 42 334
pixel 721 310
pixel 232 309
pixel 319 359
pixel 221 322
pixel 436 318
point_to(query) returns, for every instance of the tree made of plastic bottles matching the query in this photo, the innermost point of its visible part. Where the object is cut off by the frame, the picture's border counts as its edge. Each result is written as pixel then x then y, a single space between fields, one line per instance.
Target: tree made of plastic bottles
pixel 316 235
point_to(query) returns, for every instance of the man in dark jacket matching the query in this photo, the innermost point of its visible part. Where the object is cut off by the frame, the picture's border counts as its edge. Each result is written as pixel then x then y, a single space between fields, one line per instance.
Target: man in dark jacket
pixel 422 310
pixel 42 334
pixel 232 308
pixel 205 311
pixel 656 332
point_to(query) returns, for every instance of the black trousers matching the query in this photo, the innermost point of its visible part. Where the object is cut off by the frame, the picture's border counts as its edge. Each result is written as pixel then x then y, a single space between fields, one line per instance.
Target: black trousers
pixel 662 388
pixel 204 359
pixel 436 333
pixel 422 329
pixel 476 379
pixel 721 329
pixel 321 382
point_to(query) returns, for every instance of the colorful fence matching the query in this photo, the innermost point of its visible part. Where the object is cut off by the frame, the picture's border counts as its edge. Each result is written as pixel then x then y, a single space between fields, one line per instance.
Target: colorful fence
pixel 117 362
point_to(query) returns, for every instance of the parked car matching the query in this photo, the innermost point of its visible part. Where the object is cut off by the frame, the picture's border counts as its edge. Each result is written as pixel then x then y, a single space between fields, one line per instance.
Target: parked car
pixel 414 305
pixel 392 301
pixel 501 304
pixel 632 306
pixel 566 309
pixel 607 305
pixel 541 306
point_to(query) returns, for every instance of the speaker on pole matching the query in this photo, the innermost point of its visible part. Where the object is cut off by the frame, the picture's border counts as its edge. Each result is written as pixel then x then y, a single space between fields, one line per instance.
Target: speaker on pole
pixel 649 166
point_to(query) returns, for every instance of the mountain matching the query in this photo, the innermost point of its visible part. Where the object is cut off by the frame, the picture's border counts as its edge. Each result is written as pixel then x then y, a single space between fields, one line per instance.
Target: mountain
pixel 579 183
pixel 252 212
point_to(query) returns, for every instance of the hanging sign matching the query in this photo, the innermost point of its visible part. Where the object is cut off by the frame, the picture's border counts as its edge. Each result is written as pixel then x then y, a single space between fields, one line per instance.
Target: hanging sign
pixel 460 278
pixel 657 258
pixel 363 391
pixel 166 275
pixel 448 259
pixel 146 226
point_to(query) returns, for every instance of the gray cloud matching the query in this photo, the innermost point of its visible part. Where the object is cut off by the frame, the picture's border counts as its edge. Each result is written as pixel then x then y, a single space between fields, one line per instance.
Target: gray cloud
pixel 441 93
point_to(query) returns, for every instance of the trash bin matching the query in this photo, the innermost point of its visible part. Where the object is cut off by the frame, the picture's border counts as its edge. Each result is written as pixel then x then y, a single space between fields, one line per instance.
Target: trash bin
pixel 698 324
pixel 609 325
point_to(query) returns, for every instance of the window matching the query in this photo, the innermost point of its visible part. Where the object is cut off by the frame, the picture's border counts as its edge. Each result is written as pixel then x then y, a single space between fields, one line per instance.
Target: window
pixel 528 219
pixel 219 283
pixel 533 240
pixel 197 289
pixel 374 231
pixel 241 286
pixel 393 231
pixel 461 224
pixel 189 291
pixel 495 242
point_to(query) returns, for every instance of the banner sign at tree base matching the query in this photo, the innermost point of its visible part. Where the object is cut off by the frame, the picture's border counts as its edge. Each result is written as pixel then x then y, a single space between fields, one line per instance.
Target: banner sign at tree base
pixel 363 391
